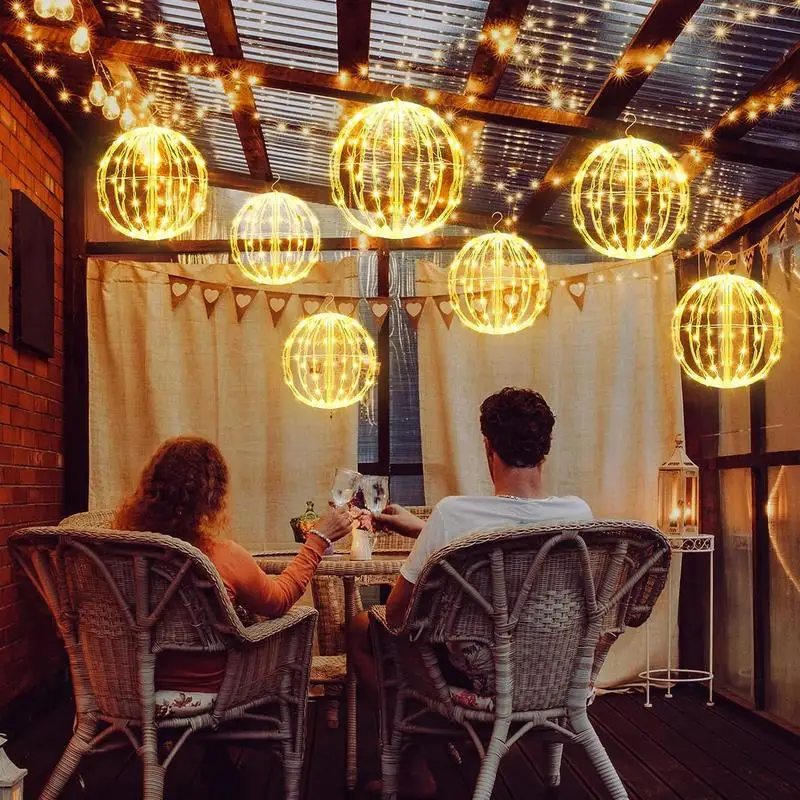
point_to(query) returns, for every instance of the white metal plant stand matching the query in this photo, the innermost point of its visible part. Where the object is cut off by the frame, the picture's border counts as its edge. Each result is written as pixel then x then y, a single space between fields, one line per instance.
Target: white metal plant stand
pixel 669 675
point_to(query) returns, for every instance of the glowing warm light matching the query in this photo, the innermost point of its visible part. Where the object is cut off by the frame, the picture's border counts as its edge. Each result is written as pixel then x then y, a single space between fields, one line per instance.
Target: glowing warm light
pixel 630 199
pixel 397 170
pixel 329 360
pixel 127 119
pixel 111 107
pixel 80 40
pixel 44 8
pixel 152 183
pixel 727 331
pixel 275 238
pixel 498 284
pixel 97 94
pixel 63 10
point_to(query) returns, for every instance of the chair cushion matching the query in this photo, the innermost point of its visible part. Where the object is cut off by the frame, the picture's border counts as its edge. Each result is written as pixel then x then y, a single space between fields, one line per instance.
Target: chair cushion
pixel 468 699
pixel 169 703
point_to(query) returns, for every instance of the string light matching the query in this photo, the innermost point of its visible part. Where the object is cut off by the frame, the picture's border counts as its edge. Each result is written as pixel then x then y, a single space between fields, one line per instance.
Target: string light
pixel 127 119
pixel 152 183
pixel 97 94
pixel 397 170
pixel 275 238
pixel 64 10
pixel 727 331
pixel 329 360
pixel 111 107
pixel 498 284
pixel 44 8
pixel 630 199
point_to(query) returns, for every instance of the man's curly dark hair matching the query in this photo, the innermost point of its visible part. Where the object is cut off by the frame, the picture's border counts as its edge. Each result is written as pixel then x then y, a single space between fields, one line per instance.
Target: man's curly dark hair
pixel 518 424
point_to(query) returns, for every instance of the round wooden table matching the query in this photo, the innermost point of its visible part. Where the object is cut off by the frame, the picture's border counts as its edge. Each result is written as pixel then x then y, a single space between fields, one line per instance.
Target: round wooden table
pixel 350 570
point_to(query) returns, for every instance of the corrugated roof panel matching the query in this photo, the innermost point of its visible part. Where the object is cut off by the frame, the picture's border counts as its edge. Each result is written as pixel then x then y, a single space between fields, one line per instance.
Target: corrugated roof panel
pixel 293 33
pixel 717 59
pixel 566 50
pixel 429 43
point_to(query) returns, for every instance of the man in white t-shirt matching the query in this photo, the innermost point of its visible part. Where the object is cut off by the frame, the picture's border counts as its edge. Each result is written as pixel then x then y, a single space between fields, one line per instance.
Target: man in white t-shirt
pixel 517 428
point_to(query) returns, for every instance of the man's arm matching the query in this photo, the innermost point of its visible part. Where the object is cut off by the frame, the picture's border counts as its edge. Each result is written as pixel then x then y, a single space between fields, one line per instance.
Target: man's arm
pixel 401 520
pixel 397 604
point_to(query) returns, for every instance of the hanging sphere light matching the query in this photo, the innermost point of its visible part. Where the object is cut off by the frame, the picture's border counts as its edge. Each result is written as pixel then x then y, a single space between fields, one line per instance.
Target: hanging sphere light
pixel 152 183
pixel 329 360
pixel 275 238
pixel 727 331
pixel 397 170
pixel 630 199
pixel 498 284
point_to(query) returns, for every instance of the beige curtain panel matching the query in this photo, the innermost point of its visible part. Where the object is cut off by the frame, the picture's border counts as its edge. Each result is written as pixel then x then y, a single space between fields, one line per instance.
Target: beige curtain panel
pixel 609 375
pixel 158 371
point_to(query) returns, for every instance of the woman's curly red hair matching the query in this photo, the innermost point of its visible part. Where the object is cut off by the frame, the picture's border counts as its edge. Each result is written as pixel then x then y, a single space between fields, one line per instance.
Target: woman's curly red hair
pixel 182 492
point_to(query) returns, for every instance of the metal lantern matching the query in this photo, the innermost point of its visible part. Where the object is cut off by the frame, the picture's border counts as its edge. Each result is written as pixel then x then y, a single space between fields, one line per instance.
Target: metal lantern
pixel 11 776
pixel 678 493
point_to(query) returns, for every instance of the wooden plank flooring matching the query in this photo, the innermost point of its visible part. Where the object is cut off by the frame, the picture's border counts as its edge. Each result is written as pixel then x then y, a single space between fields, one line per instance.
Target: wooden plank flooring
pixel 678 750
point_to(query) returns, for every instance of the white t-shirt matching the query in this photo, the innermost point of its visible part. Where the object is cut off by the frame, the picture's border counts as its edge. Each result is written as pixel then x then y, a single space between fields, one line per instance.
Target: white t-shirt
pixel 455 517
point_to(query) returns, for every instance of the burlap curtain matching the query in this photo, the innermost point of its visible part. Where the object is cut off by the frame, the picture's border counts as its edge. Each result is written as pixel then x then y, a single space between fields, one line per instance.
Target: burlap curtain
pixel 158 371
pixel 608 373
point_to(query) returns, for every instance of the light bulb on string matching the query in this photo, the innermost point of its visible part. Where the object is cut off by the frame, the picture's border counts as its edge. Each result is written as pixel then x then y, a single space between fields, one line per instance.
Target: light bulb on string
pixel 111 107
pixel 127 119
pixel 44 8
pixel 80 41
pixel 97 94
pixel 64 10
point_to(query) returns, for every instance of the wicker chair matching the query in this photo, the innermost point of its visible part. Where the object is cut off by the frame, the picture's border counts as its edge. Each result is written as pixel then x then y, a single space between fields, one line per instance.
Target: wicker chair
pixel 119 599
pixel 527 615
pixel 329 668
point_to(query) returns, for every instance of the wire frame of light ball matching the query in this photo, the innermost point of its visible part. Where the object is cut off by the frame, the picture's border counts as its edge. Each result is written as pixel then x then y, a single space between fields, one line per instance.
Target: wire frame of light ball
pixel 152 183
pixel 275 238
pixel 727 331
pixel 498 284
pixel 397 170
pixel 630 199
pixel 329 361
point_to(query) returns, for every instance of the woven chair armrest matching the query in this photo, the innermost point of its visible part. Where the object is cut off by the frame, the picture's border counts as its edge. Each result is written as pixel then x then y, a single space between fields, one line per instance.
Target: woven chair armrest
pixel 378 614
pixel 261 631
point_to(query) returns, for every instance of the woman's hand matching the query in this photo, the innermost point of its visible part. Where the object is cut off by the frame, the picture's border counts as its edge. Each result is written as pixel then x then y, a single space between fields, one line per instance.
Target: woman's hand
pixel 400 520
pixel 335 524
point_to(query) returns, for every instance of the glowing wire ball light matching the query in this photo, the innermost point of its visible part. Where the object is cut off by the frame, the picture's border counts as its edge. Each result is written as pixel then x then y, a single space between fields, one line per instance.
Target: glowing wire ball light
pixel 630 199
pixel 727 331
pixel 275 238
pixel 397 170
pixel 152 183
pixel 498 284
pixel 329 360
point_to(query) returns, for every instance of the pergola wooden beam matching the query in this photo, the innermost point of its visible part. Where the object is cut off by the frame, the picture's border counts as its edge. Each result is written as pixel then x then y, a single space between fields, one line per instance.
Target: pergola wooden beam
pixel 652 42
pixel 223 35
pixel 555 236
pixel 774 202
pixel 366 91
pixel 353 22
pixel 498 36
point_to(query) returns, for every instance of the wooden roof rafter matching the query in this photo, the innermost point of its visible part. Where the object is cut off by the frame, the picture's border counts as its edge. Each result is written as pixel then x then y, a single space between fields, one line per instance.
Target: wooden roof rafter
pixel 361 90
pixel 223 36
pixel 649 46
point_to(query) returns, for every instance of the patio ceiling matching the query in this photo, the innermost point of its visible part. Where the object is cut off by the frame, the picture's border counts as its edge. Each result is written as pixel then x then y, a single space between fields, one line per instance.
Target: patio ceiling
pixel 263 85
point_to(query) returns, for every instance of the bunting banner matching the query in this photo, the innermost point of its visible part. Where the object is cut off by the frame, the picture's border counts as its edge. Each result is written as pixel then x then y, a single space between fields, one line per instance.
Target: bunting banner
pixel 414 307
pixel 243 299
pixel 780 229
pixel 311 303
pixel 276 303
pixel 346 305
pixel 796 212
pixel 179 289
pixel 748 255
pixel 788 265
pixel 445 309
pixel 763 248
pixel 548 301
pixel 211 295
pixel 576 287
pixel 380 309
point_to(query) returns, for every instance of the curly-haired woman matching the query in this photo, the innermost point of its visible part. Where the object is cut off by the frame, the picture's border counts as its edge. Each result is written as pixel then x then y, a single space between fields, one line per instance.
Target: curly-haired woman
pixel 517 427
pixel 183 492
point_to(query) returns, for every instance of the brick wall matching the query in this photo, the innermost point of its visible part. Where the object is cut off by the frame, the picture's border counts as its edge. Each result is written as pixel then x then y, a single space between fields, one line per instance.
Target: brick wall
pixel 31 413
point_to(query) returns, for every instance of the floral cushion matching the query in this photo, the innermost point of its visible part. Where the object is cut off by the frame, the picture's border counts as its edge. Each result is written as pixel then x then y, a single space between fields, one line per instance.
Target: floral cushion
pixel 468 699
pixel 169 703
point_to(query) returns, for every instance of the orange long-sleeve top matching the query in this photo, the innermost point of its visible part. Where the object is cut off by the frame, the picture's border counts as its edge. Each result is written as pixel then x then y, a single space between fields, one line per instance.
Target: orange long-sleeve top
pixel 248 586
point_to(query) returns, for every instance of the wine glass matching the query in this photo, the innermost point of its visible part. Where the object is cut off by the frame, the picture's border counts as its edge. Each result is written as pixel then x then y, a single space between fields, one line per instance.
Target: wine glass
pixel 376 492
pixel 345 483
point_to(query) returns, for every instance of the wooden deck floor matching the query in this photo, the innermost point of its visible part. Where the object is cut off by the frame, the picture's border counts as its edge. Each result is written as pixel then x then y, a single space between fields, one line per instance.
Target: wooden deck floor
pixel 678 749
